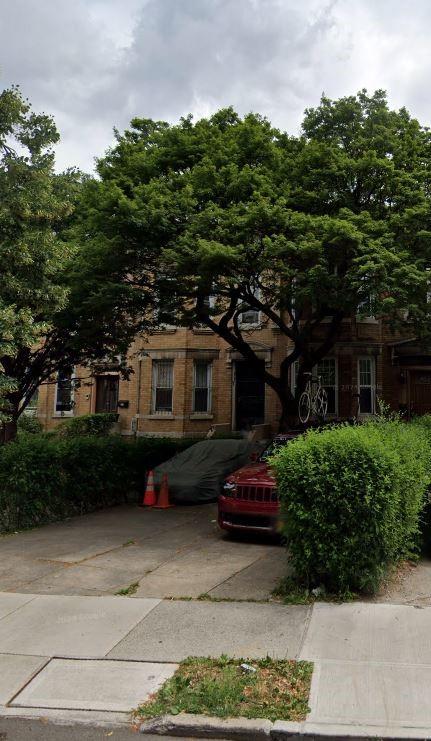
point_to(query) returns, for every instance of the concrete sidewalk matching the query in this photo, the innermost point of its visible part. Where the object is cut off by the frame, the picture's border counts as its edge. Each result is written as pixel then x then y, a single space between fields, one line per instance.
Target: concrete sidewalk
pixel 180 552
pixel 72 659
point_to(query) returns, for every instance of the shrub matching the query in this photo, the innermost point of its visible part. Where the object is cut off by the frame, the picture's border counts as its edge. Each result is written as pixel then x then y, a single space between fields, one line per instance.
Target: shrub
pixel 88 424
pixel 45 477
pixel 351 501
pixel 29 424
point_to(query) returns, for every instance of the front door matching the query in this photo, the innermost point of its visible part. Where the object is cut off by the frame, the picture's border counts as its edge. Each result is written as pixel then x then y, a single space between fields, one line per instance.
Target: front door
pixel 249 396
pixel 420 392
pixel 106 393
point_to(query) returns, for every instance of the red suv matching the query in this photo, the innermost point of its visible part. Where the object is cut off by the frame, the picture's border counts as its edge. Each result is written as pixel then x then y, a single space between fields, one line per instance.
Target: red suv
pixel 249 500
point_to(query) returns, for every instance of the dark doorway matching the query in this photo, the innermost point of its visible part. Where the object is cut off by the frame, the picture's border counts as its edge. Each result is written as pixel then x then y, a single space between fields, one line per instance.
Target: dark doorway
pixel 249 396
pixel 106 393
pixel 420 392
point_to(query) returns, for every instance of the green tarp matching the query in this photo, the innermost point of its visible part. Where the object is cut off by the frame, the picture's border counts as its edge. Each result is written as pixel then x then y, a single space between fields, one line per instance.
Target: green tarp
pixel 196 475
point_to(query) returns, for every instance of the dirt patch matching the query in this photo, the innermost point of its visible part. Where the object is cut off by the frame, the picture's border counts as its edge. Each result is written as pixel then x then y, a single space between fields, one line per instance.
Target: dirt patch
pixel 408 584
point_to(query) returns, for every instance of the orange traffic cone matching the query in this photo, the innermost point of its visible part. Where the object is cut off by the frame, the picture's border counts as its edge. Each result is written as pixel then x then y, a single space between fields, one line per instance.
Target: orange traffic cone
pixel 149 499
pixel 163 501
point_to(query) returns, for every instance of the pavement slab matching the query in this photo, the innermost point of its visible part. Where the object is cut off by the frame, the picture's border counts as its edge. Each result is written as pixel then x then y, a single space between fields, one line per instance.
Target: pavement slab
pixel 113 686
pixel 177 629
pixel 19 571
pixel 410 584
pixel 371 693
pixel 9 603
pixel 70 626
pixel 81 579
pixel 369 632
pixel 257 580
pixel 179 552
pixel 15 671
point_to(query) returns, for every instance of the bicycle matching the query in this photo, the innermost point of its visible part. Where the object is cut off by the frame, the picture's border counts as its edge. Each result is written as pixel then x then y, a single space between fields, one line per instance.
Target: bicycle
pixel 314 400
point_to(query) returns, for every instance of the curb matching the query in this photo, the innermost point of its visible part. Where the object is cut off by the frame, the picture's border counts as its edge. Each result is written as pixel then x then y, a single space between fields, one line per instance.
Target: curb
pixel 204 726
pixel 191 726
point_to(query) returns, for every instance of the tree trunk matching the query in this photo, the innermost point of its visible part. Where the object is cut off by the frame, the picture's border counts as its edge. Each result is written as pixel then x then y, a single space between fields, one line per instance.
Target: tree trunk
pixel 8 431
pixel 11 409
pixel 289 413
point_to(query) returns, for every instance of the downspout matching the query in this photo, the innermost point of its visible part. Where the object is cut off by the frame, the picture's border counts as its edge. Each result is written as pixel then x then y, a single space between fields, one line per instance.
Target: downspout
pixel 138 401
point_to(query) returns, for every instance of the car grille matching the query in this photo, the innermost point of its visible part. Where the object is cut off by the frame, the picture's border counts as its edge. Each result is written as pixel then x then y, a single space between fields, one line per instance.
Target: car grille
pixel 248 521
pixel 256 494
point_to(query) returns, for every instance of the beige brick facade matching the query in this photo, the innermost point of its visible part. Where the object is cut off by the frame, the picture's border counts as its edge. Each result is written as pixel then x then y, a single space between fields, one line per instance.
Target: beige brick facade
pixel 398 377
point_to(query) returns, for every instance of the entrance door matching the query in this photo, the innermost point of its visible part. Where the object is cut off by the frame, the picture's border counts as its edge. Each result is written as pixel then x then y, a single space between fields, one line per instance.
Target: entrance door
pixel 420 392
pixel 249 396
pixel 106 393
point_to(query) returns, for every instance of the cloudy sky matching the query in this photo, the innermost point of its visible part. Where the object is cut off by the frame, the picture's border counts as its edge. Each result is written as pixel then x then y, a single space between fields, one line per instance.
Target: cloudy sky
pixel 94 64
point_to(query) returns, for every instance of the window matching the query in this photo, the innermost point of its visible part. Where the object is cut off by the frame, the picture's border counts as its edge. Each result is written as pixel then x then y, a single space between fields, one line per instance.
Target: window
pixel 31 408
pixel 64 392
pixel 202 386
pixel 367 305
pixel 366 385
pixel 250 317
pixel 163 314
pixel 327 369
pixel 209 301
pixel 163 377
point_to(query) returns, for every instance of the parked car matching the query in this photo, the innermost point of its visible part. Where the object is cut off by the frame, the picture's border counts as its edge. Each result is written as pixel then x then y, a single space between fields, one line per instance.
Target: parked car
pixel 249 501
pixel 196 475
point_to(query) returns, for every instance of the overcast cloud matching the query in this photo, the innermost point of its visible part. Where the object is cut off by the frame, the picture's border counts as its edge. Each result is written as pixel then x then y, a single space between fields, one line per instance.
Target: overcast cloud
pixel 94 64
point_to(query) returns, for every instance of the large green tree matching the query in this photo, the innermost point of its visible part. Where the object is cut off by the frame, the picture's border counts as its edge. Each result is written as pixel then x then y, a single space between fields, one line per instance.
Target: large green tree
pixel 305 230
pixel 62 300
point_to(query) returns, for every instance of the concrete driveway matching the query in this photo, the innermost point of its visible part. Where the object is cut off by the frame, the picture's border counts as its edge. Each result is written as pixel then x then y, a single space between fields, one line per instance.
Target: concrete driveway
pixel 171 553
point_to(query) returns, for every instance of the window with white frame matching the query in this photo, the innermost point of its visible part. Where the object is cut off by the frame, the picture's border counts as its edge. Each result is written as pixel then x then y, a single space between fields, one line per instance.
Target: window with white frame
pixel 64 392
pixel 160 314
pixel 250 317
pixel 163 384
pixel 202 376
pixel 366 385
pixel 31 408
pixel 367 305
pixel 327 370
pixel 209 302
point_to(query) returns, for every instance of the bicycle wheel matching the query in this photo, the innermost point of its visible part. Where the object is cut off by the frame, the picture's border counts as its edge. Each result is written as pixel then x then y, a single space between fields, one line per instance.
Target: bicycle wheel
pixel 321 403
pixel 304 407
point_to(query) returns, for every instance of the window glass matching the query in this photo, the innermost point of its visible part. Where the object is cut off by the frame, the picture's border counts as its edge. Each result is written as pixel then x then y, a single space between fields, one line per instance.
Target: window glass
pixel 31 408
pixel 202 386
pixel 366 306
pixel 250 316
pixel 64 391
pixel 163 371
pixel 327 371
pixel 366 385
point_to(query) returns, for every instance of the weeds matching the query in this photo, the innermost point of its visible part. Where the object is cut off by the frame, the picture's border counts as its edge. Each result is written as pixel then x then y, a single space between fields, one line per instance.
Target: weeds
pixel 268 688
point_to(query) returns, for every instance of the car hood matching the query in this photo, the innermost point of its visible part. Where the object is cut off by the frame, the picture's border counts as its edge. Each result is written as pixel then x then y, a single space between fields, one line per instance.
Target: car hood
pixel 254 474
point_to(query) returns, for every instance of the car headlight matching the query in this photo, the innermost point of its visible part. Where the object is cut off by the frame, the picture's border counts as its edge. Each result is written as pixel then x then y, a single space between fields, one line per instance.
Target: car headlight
pixel 229 489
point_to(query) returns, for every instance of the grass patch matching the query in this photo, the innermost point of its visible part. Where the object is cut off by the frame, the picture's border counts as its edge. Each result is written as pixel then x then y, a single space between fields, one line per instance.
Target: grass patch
pixel 127 591
pixel 277 690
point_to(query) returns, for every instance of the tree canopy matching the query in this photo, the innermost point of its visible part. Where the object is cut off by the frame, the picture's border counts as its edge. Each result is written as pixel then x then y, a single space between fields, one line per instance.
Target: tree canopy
pixel 305 230
pixel 62 300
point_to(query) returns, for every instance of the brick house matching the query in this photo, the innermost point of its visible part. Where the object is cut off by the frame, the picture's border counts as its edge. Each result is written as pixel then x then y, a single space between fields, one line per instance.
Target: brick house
pixel 186 381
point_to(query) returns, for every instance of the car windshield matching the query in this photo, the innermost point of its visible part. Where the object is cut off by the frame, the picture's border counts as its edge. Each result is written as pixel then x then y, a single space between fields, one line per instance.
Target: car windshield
pixel 271 449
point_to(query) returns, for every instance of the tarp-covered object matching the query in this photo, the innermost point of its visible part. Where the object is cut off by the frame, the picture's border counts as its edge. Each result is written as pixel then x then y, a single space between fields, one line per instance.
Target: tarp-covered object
pixel 196 475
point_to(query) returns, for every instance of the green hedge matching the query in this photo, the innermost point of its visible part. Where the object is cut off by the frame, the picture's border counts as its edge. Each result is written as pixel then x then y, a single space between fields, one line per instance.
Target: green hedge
pixel 97 424
pixel 352 499
pixel 45 478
